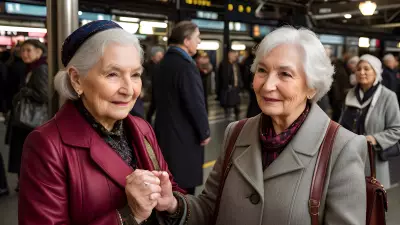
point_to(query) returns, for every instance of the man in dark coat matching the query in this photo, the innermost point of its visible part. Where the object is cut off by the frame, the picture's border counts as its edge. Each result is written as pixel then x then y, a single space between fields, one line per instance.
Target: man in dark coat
pixel 181 124
pixel 389 75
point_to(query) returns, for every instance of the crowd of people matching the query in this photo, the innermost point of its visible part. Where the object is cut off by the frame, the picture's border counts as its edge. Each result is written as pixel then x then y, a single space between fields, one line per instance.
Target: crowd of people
pixel 98 161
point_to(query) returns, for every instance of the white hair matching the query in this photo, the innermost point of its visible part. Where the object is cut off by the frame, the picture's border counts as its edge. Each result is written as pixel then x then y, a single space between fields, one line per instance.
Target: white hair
pixel 89 54
pixel 317 65
pixel 388 57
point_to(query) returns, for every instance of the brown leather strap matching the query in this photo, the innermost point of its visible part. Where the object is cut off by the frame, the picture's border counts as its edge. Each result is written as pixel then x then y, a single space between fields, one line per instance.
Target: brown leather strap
pixel 321 167
pixel 225 168
pixel 371 160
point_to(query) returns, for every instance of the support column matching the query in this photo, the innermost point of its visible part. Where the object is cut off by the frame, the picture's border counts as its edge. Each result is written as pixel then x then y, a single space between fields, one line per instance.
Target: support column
pixel 62 19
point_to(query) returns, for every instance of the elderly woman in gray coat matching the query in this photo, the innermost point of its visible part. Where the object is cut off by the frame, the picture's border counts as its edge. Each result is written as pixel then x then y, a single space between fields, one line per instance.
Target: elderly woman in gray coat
pixel 276 152
pixel 372 110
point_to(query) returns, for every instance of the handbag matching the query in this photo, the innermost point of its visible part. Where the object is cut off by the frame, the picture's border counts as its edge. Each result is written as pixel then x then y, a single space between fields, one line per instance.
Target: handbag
pixel 29 114
pixel 376 194
pixel 385 155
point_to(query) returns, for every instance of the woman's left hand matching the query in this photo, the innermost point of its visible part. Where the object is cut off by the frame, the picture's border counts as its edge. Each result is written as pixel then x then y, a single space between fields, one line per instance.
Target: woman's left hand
pixel 371 139
pixel 167 201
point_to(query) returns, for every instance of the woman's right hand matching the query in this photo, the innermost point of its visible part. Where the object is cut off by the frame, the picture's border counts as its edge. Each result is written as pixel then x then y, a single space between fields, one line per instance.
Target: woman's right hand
pixel 143 191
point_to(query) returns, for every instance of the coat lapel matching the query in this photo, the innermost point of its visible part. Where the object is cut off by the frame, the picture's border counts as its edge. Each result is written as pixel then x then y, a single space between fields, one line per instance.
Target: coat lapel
pixel 109 161
pixel 82 135
pixel 287 162
pixel 247 158
pixel 303 147
pixel 296 156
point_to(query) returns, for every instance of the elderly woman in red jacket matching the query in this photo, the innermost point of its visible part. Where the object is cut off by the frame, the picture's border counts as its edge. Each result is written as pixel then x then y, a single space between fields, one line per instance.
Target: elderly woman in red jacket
pixel 75 168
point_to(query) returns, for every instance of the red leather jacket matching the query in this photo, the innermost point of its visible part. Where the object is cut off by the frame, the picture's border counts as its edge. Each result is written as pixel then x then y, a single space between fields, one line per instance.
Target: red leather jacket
pixel 69 175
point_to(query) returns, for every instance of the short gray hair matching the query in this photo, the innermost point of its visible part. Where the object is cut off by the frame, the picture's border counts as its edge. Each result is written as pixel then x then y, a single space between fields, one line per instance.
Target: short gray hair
pixel 317 65
pixel 89 54
pixel 156 49
pixel 388 57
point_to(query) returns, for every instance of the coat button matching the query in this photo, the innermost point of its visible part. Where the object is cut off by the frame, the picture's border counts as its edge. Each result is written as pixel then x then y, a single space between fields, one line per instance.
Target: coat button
pixel 254 198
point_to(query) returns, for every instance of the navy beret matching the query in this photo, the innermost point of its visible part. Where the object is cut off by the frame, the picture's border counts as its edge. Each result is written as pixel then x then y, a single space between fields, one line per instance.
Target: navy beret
pixel 79 36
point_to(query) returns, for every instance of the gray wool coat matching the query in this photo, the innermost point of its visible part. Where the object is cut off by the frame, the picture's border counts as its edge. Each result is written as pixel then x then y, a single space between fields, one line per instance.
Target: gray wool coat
pixel 279 195
pixel 382 122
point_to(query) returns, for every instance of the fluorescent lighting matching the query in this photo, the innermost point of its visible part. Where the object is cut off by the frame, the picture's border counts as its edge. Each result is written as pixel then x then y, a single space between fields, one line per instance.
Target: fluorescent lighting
pixel 238 47
pixel 130 27
pixel 208 45
pixel 153 24
pixel 146 30
pixel 129 19
pixel 347 16
pixel 85 22
pixel 23 29
pixel 363 42
pixel 367 8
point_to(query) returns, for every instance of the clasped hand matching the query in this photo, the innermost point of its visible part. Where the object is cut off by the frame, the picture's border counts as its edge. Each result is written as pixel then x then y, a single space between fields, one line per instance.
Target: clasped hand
pixel 147 190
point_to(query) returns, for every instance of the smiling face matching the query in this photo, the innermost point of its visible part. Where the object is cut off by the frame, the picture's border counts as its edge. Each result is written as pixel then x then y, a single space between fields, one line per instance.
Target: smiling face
pixel 112 85
pixel 280 82
pixel 365 74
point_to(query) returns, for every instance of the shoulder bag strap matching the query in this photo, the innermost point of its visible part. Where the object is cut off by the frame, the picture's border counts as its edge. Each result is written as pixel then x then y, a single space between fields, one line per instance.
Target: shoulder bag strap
pixel 371 161
pixel 321 167
pixel 226 165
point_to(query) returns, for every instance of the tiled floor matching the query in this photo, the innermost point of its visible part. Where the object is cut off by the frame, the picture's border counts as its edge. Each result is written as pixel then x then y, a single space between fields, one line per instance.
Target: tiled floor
pixel 8 204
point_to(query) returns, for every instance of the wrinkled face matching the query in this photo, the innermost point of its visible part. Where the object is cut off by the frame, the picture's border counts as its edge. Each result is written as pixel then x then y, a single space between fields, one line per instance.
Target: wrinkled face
pixel 30 53
pixel 112 86
pixel 157 57
pixel 280 82
pixel 192 42
pixel 365 74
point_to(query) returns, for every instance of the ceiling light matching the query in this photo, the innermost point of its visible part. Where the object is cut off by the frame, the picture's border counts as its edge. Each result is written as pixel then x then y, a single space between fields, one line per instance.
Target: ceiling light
pixel 367 8
pixel 129 19
pixel 238 47
pixel 130 27
pixel 23 29
pixel 208 45
pixel 347 16
pixel 80 13
pixel 363 42
pixel 153 24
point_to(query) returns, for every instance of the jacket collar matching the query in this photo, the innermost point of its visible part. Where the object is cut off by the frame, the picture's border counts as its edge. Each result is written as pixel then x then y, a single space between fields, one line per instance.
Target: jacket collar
pixel 297 154
pixel 351 99
pixel 313 130
pixel 76 131
pixel 181 52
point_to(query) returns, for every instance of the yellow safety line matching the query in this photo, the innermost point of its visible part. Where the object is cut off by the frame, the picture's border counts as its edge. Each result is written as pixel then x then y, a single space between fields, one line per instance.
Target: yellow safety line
pixel 209 164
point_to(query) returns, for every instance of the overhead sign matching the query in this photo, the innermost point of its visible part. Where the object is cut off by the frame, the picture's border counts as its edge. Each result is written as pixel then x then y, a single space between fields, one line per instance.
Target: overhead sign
pixel 219 25
pixel 25 9
pixel 331 39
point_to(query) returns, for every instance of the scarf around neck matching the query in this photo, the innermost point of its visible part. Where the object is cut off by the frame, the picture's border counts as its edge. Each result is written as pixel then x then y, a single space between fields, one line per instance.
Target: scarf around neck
pixel 272 144
pixel 367 95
